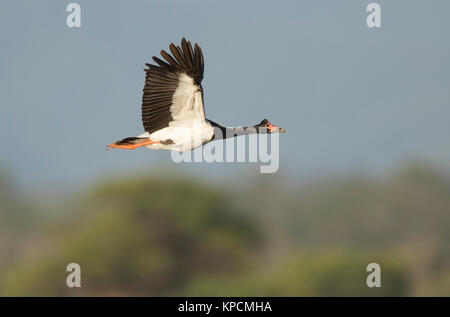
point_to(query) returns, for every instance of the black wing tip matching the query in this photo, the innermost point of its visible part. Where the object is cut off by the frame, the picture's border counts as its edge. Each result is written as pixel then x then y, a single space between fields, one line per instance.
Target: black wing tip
pixel 186 59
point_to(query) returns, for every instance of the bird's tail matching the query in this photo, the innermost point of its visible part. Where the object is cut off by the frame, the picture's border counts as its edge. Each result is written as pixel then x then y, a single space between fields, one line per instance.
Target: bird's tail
pixel 129 143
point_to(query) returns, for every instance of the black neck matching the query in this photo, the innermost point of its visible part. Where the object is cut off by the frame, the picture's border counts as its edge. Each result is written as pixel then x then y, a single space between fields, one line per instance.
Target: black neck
pixel 231 132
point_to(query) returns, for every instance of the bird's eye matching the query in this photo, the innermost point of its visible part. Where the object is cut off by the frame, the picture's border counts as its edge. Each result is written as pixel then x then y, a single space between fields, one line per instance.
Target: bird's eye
pixel 267 125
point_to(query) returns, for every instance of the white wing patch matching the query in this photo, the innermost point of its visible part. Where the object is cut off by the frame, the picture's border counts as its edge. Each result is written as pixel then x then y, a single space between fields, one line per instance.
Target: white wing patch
pixel 187 104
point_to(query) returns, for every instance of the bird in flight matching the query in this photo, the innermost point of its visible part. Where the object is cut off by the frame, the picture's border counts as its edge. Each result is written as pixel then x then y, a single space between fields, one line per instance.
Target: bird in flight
pixel 173 113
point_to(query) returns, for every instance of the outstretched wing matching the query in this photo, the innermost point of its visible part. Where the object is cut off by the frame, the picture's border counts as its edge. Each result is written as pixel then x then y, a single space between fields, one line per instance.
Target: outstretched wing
pixel 173 91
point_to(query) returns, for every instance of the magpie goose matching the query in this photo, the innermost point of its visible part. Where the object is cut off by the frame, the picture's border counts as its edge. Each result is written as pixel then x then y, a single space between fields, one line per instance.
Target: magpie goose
pixel 173 113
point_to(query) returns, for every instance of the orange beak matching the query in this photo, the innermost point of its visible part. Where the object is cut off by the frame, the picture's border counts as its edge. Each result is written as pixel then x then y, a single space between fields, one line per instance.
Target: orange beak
pixel 273 128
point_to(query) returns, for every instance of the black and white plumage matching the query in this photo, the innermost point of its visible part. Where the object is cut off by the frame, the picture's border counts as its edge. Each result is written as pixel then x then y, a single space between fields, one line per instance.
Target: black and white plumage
pixel 172 105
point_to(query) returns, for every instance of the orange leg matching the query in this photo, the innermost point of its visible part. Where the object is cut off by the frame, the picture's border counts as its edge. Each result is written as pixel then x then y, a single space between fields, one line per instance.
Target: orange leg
pixel 130 146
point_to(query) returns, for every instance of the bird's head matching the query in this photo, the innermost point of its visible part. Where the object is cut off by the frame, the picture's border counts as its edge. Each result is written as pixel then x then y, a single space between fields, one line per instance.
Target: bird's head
pixel 265 125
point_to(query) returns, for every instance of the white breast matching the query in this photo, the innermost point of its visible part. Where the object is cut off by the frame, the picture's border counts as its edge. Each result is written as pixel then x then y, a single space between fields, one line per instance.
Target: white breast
pixel 183 138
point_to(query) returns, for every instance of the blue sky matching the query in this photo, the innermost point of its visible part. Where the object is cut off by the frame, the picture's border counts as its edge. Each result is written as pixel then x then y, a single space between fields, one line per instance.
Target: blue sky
pixel 351 98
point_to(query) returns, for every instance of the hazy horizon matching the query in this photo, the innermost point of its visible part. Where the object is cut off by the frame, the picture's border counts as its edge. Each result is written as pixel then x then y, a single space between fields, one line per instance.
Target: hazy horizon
pixel 351 98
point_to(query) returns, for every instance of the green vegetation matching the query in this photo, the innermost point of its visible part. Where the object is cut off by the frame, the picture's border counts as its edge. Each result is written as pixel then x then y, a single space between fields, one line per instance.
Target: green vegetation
pixel 153 236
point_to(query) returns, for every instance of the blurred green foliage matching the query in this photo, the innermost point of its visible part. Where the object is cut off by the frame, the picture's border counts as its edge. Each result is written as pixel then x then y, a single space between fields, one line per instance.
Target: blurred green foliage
pixel 159 236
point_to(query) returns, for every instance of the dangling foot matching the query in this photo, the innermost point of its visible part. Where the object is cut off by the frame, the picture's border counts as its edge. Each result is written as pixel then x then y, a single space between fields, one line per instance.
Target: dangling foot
pixel 130 145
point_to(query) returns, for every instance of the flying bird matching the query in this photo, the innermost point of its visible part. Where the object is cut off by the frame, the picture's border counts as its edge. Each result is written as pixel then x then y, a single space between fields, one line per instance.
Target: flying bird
pixel 173 113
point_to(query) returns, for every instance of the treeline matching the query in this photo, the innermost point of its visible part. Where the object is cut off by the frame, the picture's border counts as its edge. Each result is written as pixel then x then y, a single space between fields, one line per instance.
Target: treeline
pixel 155 236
